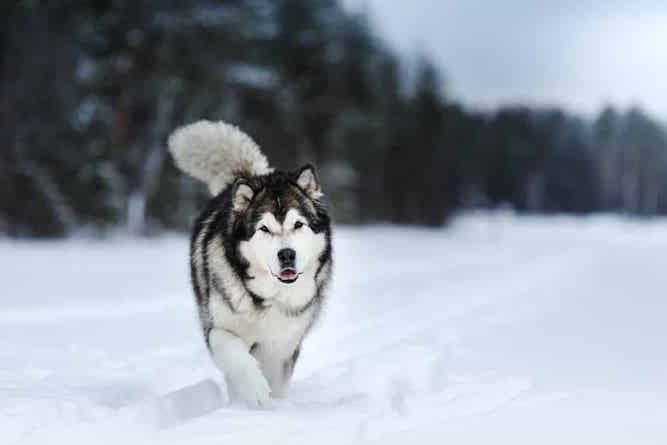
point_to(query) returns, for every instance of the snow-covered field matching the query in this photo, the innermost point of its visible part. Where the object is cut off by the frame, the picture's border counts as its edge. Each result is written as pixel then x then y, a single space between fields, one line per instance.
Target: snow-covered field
pixel 499 329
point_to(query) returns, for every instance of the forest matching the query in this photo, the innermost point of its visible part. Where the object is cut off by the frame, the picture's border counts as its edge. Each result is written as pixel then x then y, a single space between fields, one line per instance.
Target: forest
pixel 89 92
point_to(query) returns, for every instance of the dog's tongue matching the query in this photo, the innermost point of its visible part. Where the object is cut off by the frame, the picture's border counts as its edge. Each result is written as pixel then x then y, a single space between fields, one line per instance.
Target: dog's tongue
pixel 287 274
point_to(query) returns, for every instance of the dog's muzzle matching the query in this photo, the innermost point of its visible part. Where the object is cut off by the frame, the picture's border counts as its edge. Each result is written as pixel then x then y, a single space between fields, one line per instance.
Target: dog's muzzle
pixel 287 259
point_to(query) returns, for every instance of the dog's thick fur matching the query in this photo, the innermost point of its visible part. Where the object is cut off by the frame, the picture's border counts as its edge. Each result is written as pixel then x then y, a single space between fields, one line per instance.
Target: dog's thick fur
pixel 260 257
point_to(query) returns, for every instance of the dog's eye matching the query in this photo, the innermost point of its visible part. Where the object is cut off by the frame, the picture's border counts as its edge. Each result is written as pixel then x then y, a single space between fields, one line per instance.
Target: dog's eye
pixel 265 229
pixel 298 225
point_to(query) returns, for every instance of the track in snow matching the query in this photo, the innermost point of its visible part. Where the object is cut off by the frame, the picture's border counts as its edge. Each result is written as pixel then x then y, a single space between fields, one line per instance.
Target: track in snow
pixel 501 328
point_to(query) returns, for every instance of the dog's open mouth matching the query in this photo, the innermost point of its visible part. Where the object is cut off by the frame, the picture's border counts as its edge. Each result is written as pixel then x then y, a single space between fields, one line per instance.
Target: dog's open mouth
pixel 288 275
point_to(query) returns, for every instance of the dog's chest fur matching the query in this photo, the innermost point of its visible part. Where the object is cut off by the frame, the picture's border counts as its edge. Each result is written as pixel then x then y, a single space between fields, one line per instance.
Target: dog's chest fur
pixel 269 330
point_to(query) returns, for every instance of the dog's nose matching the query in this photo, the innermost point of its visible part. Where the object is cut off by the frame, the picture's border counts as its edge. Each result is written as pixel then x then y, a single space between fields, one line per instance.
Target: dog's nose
pixel 287 257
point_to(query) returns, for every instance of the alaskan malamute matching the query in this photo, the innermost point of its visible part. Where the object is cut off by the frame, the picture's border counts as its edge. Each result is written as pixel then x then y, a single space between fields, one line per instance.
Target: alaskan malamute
pixel 260 257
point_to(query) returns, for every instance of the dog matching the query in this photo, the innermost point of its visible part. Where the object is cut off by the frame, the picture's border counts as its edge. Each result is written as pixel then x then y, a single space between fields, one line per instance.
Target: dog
pixel 260 256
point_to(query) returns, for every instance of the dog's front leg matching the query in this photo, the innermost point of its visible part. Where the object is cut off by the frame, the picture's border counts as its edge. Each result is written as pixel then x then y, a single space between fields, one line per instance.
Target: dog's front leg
pixel 277 369
pixel 244 378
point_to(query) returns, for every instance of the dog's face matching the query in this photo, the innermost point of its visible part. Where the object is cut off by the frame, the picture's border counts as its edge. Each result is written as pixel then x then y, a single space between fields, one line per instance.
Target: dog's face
pixel 284 228
pixel 284 249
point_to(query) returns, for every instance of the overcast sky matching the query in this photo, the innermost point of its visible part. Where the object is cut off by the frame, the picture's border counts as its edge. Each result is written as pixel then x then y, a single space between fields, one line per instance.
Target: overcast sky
pixel 576 54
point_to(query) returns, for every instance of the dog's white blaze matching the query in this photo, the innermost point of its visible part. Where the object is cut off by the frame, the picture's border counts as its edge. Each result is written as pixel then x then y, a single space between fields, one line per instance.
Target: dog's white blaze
pixel 262 249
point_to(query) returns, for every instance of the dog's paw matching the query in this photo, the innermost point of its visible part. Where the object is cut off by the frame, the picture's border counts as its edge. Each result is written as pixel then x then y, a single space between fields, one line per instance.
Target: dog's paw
pixel 249 386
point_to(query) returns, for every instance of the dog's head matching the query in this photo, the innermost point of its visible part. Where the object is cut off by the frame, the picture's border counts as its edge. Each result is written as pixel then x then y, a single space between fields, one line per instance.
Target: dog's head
pixel 280 227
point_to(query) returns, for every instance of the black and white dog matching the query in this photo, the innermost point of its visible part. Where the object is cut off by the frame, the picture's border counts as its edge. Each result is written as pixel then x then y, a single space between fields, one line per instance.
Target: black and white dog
pixel 260 257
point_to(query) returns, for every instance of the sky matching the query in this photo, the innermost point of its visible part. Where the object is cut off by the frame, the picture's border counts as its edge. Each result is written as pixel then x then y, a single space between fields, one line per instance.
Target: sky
pixel 580 55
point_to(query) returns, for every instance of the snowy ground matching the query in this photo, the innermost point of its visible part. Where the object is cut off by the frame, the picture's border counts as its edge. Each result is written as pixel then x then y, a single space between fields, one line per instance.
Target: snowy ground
pixel 497 330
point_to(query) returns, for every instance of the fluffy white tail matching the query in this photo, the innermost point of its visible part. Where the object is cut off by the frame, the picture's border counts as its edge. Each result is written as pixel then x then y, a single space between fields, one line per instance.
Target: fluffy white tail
pixel 216 153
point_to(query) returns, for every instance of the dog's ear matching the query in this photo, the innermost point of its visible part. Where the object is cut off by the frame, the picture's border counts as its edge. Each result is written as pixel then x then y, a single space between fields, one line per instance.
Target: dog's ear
pixel 307 180
pixel 242 194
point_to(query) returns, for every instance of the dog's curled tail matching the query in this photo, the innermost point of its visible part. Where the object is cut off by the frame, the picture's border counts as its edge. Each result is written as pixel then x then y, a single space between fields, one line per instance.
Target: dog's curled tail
pixel 216 153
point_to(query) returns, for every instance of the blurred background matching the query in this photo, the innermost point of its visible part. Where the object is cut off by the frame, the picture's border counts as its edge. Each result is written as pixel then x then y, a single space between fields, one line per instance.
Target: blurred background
pixel 411 110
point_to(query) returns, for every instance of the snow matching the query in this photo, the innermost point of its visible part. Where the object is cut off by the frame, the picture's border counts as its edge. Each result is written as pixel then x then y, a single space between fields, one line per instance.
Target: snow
pixel 499 329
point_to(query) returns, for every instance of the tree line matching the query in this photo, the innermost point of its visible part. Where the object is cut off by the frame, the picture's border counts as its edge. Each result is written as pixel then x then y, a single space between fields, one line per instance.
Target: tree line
pixel 89 92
